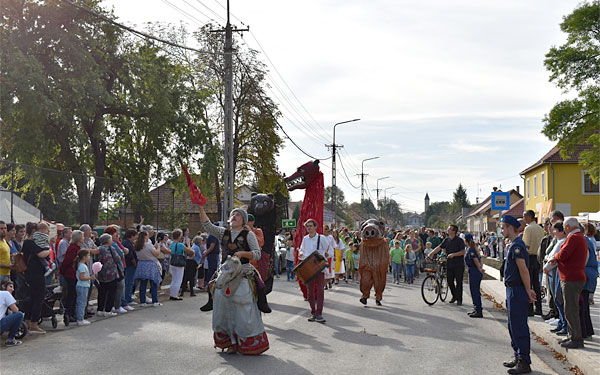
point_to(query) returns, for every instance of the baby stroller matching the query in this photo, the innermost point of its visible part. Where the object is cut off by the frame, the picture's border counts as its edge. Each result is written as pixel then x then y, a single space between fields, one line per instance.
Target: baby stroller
pixel 48 309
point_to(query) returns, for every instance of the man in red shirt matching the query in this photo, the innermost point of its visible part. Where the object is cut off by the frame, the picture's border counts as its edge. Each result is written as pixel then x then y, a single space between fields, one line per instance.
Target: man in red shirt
pixel 571 260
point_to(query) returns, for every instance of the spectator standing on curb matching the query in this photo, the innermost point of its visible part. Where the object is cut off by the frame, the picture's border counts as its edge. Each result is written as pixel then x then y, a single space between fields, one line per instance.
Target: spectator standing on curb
pixel 554 281
pixel 35 249
pixel 130 266
pixel 5 264
pixel 89 245
pixel 121 251
pixel 571 260
pixel 177 248
pixel 532 236
pixel 591 273
pixel 67 270
pixel 83 285
pixel 107 276
pixel 518 295
pixel 10 322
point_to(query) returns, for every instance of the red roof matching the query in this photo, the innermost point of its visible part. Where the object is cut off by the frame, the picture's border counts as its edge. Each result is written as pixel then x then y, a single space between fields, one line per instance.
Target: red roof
pixel 517 209
pixel 553 156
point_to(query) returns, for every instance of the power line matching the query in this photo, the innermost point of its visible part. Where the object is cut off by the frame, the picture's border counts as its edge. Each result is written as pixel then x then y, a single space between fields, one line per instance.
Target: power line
pixel 283 79
pixel 184 13
pixel 273 117
pixel 212 11
pixel 139 33
pixel 345 174
pixel 197 10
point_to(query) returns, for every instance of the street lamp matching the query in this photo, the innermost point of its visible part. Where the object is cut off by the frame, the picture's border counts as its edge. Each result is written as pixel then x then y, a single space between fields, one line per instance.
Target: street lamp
pixel 333 152
pixel 362 177
pixel 382 178
pixel 385 190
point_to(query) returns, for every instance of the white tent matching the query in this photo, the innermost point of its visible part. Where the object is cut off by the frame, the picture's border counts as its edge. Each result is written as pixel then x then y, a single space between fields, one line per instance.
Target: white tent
pixel 22 211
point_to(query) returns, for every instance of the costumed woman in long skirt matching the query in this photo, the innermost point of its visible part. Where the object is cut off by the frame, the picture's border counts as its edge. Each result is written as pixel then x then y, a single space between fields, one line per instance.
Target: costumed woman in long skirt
pixel 236 321
pixel 339 250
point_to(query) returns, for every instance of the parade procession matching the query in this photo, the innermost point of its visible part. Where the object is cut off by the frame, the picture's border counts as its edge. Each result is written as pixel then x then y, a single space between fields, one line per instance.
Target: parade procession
pixel 267 187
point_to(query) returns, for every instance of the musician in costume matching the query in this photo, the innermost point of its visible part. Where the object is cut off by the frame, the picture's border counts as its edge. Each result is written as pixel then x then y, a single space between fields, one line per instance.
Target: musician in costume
pixel 315 242
pixel 235 296
pixel 307 177
pixel 373 263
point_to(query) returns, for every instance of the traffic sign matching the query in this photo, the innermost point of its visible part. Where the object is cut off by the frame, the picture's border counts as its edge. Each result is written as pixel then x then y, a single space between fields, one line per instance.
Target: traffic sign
pixel 288 223
pixel 500 200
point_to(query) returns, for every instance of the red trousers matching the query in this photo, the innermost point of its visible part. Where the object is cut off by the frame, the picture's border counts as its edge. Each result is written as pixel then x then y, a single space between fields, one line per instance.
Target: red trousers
pixel 316 294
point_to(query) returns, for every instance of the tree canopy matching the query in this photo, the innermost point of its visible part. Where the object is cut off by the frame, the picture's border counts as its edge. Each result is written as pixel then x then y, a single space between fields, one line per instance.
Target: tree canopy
pixel 575 68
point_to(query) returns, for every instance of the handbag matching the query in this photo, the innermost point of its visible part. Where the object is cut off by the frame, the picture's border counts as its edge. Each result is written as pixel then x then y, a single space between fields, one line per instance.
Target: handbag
pixel 20 265
pixel 118 264
pixel 177 260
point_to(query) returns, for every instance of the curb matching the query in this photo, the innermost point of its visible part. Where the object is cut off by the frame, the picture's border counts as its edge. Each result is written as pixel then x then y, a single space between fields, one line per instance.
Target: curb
pixel 578 357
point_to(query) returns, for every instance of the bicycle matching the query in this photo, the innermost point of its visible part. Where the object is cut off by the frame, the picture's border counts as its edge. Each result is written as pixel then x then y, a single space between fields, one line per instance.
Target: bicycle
pixel 434 285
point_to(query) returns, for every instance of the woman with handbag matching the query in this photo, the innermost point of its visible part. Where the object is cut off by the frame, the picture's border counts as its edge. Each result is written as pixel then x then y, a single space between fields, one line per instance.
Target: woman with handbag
pixel 108 276
pixel 177 266
pixel 121 251
pixel 148 268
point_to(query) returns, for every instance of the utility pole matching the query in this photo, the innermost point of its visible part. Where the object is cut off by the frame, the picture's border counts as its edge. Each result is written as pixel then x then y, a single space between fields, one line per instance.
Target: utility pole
pixel 378 189
pixel 333 147
pixel 228 185
pixel 362 177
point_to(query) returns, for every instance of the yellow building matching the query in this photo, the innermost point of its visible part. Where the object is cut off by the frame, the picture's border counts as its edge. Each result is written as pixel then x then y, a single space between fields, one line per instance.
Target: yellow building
pixel 554 183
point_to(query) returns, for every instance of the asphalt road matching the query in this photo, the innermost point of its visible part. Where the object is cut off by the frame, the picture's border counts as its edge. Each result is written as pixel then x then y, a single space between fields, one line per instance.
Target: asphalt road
pixel 403 336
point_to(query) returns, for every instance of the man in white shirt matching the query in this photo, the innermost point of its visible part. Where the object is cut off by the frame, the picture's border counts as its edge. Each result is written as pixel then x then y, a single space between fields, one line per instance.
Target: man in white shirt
pixel 310 243
pixel 11 322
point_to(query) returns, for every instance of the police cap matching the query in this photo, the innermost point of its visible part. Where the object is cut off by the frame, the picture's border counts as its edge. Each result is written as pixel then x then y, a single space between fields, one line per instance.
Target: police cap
pixel 510 220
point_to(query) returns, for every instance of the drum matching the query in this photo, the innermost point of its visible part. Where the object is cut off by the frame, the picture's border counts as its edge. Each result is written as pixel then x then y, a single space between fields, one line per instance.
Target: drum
pixel 310 267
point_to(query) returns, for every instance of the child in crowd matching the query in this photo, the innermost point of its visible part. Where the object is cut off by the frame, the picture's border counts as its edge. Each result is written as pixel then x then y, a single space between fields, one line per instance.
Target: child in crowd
pixel 428 248
pixel 410 259
pixel 289 259
pixel 396 260
pixel 83 285
pixel 355 259
pixel 43 241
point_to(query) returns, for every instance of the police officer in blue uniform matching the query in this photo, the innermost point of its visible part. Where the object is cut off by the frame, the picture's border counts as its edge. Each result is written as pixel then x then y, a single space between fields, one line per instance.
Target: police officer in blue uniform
pixel 518 296
pixel 475 270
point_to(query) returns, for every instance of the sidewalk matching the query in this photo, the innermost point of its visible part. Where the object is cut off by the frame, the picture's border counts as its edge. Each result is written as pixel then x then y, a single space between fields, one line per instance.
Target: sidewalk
pixel 587 359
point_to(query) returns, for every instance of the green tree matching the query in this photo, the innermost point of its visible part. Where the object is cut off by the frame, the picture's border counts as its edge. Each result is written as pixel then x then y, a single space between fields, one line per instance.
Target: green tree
pixel 296 212
pixel 575 68
pixel 460 199
pixel 340 199
pixel 84 97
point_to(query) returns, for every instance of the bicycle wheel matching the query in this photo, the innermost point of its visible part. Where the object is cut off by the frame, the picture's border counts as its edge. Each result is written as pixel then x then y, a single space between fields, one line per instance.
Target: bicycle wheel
pixel 429 290
pixel 443 284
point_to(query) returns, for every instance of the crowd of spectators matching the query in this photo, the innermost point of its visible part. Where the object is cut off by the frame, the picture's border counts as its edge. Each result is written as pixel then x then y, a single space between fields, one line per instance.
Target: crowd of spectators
pixel 65 270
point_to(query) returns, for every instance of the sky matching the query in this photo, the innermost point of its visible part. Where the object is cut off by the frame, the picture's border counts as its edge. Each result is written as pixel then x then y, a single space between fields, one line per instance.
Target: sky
pixel 447 92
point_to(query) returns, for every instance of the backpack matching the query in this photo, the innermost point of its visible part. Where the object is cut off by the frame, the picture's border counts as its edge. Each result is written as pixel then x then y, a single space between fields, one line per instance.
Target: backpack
pixel 20 265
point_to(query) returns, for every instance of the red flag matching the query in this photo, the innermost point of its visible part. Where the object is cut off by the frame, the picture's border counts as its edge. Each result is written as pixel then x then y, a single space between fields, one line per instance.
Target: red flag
pixel 195 194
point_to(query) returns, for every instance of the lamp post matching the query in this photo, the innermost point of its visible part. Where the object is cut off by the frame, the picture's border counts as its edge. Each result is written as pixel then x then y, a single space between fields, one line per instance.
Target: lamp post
pixel 362 177
pixel 333 153
pixel 379 179
pixel 384 199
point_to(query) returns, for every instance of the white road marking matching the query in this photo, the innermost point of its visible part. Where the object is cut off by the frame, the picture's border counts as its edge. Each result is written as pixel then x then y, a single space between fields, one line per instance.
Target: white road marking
pixel 217 371
pixel 294 317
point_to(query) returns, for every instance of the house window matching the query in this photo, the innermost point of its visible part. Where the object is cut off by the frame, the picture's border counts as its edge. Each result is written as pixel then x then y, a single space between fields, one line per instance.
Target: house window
pixel 528 189
pixel 535 186
pixel 543 183
pixel 588 186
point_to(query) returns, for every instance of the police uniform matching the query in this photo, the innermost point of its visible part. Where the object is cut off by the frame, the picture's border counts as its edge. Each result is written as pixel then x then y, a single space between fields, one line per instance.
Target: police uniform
pixel 475 277
pixel 517 300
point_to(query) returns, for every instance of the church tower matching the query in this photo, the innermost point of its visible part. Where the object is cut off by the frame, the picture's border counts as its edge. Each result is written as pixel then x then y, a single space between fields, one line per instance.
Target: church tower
pixel 426 201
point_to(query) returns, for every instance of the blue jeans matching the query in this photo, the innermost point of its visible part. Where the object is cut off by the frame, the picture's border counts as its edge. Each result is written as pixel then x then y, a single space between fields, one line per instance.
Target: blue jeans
pixel 4 277
pixel 410 271
pixel 11 323
pixel 276 262
pixel 153 291
pixel 127 296
pixel 397 270
pixel 82 294
pixel 289 265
